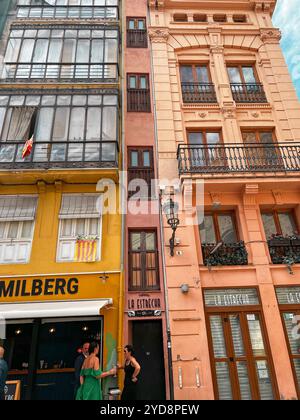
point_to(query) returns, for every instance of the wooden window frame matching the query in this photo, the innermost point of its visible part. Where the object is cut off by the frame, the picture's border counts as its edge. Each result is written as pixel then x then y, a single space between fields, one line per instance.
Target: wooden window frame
pixel 136 21
pixel 140 167
pixel 194 66
pixel 142 269
pixel 136 37
pixel 215 215
pixel 206 131
pixel 141 95
pixel 276 213
pixel 257 132
pixel 240 66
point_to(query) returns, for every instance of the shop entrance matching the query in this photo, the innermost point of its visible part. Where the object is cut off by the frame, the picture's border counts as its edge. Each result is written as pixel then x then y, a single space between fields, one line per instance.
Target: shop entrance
pixel 147 339
pixel 240 356
pixel 41 354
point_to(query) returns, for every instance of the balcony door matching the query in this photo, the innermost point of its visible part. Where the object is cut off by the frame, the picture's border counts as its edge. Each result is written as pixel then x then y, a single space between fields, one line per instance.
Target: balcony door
pixel 239 355
pixel 196 84
pixel 206 150
pixel 245 84
pixel 261 150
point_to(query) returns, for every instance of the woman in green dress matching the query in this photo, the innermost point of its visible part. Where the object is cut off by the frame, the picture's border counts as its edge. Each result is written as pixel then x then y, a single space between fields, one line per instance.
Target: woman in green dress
pixel 91 375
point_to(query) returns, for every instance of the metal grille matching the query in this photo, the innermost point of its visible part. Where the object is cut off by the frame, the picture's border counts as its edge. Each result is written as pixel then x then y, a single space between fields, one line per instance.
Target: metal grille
pixel 80 206
pixel 17 208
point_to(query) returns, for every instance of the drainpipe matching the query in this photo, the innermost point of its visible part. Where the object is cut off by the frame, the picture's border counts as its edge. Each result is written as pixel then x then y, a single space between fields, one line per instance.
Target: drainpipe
pixel 161 220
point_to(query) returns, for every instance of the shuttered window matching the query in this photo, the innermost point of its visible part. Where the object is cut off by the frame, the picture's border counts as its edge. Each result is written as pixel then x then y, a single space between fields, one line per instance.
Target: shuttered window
pixel 80 218
pixel 17 215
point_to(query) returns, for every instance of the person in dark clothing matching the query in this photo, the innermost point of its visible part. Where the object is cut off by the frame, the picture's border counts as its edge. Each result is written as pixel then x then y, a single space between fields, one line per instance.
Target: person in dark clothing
pixel 132 370
pixel 78 365
pixel 3 373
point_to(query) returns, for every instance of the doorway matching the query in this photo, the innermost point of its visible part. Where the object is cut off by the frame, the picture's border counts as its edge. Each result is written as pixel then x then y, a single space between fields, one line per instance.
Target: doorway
pixel 147 339
pixel 240 356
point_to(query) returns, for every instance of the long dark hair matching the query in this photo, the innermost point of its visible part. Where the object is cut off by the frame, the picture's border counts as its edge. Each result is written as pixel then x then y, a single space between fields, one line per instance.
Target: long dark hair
pixel 93 346
pixel 130 349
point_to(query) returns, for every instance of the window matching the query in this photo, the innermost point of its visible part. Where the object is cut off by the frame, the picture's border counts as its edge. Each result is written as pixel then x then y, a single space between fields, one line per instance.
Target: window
pixel 196 84
pixel 261 150
pixel 180 17
pixel 206 150
pixel 140 167
pixel 220 18
pixel 80 218
pixel 79 127
pixel 218 227
pixel 138 93
pixel 136 33
pixel 143 261
pixel 67 53
pixel 194 74
pixel 17 215
pixel 279 223
pixel 68 9
pixel 242 74
pixel 200 18
pixel 239 18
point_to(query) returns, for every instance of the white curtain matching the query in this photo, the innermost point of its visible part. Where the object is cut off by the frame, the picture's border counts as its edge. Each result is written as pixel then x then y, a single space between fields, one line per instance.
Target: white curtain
pixel 20 123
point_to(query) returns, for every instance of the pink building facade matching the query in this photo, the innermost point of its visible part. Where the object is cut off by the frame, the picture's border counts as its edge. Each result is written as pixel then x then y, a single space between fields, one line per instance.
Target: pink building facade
pixel 228 117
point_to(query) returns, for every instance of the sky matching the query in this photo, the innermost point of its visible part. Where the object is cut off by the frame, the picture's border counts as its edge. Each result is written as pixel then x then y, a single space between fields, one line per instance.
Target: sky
pixel 287 18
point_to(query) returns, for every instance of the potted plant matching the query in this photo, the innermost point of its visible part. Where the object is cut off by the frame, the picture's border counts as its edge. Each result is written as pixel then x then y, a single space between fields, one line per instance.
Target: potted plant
pixel 279 240
pixel 295 239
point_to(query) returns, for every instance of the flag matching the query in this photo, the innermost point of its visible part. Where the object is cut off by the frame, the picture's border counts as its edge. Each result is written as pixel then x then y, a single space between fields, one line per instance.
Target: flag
pixel 86 250
pixel 27 148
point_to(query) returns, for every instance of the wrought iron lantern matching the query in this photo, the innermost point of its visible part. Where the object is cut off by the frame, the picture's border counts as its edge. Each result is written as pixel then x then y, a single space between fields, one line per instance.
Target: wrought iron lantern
pixel 170 208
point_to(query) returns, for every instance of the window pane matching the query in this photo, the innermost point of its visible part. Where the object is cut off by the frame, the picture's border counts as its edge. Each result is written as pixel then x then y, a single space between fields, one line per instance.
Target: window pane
pixel 135 241
pixel 146 159
pixel 69 50
pixel 109 123
pixel 207 231
pixel 40 51
pixel 26 51
pixel 131 24
pixel 44 124
pixel 202 74
pixel 150 242
pixel 213 138
pixel 264 380
pixel 12 51
pixel 141 24
pixel 93 124
pixel 26 230
pixel 94 227
pixel 249 137
pixel 143 82
pixel 224 382
pixel 227 229
pixel 66 230
pixel 13 230
pixel 217 333
pixel 196 138
pixel 243 376
pixel 269 224
pixel 134 159
pixel 132 82
pixel 2 228
pixel 234 75
pixel 186 73
pixel 77 124
pixel 266 137
pixel 61 124
pixel 83 51
pixel 80 227
pixel 249 75
pixel 237 336
pixel 55 51
pixel 291 325
pixel 258 346
pixel 287 223
pixel 111 51
pixel 97 51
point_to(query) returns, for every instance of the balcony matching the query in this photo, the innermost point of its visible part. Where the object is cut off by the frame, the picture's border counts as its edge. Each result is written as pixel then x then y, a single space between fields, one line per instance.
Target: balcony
pixel 284 250
pixel 234 158
pixel 53 155
pixel 226 254
pixel 137 38
pixel 103 72
pixel 138 100
pixel 248 93
pixel 198 93
pixel 146 175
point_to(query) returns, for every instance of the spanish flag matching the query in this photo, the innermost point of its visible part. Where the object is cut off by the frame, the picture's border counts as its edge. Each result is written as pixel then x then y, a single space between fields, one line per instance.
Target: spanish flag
pixel 27 148
pixel 86 250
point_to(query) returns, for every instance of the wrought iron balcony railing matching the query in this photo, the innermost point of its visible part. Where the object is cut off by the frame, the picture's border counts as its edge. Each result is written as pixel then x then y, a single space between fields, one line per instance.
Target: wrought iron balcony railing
pixel 137 38
pixel 136 174
pixel 138 100
pixel 226 254
pixel 248 93
pixel 67 12
pixel 284 251
pixel 238 158
pixel 198 93
pixel 105 72
pixel 50 155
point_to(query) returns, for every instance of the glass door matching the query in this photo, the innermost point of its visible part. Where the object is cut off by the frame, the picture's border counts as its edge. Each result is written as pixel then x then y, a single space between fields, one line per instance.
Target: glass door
pixel 240 362
pixel 291 320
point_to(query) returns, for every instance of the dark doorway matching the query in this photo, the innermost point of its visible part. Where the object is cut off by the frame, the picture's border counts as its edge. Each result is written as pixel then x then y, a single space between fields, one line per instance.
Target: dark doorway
pixel 147 340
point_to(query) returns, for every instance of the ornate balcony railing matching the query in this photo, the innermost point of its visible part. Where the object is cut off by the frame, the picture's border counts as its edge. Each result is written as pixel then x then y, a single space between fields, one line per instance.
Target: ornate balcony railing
pixel 284 251
pixel 226 254
pixel 239 158
pixel 248 93
pixel 137 38
pixel 198 93
pixel 105 72
pixel 51 155
pixel 138 100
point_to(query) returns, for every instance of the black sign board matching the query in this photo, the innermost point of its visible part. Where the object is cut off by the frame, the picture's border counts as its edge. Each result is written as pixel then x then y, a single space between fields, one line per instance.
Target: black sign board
pixel 12 390
pixel 132 314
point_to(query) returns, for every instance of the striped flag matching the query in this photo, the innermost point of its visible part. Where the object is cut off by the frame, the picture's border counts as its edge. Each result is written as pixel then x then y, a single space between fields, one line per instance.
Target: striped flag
pixel 86 250
pixel 27 148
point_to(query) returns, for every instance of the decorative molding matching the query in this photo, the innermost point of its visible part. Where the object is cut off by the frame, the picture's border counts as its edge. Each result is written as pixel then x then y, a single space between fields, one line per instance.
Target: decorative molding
pixel 229 112
pixel 278 197
pixel 250 195
pixel 159 35
pixel 270 36
pixel 156 4
pixel 41 187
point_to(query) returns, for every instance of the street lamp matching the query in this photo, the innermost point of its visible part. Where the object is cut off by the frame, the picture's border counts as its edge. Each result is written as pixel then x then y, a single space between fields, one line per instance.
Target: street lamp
pixel 170 208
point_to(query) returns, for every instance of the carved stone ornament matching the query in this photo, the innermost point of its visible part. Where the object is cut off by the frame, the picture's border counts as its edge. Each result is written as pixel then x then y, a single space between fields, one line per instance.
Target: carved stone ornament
pixel 156 4
pixel 229 113
pixel 270 36
pixel 159 35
